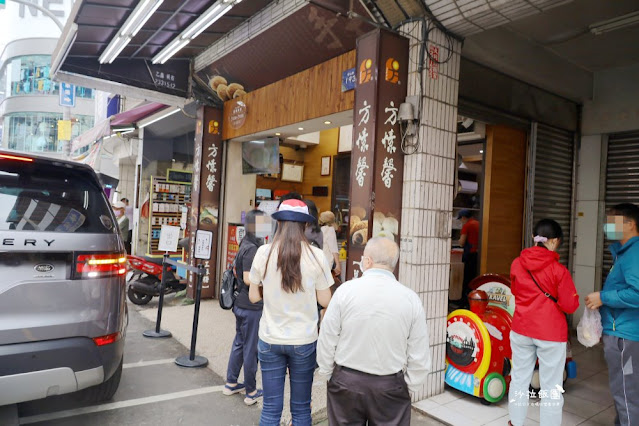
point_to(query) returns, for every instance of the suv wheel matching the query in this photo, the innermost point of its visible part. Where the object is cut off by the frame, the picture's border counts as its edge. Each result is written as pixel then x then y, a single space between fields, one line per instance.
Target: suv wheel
pixel 137 297
pixel 104 391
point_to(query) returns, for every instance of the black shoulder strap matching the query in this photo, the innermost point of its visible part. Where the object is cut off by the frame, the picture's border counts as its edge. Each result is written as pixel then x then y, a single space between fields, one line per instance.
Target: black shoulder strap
pixel 548 295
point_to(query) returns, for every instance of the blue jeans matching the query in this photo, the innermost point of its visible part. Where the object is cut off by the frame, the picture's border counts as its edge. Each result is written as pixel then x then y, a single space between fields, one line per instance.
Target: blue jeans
pixel 300 361
pixel 244 350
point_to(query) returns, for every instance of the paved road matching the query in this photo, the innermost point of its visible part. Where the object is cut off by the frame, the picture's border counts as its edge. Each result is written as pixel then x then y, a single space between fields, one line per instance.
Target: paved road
pixel 153 391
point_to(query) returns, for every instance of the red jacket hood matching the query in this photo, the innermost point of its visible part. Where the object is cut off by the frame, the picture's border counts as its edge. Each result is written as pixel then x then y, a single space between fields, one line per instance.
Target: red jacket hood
pixel 537 258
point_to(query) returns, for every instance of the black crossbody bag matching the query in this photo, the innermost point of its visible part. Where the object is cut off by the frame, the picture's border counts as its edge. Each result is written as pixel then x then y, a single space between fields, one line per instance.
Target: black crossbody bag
pixel 551 297
pixel 548 295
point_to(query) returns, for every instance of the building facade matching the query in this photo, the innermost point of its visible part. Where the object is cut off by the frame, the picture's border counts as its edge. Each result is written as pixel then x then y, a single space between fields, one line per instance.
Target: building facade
pixel 30 107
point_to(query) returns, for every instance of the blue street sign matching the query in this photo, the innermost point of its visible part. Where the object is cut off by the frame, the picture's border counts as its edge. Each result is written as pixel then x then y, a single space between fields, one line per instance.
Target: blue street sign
pixel 67 95
pixel 348 80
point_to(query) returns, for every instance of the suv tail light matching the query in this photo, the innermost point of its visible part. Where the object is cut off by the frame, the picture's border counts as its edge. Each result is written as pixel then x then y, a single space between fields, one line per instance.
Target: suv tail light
pixel 100 265
pixel 108 339
pixel 16 158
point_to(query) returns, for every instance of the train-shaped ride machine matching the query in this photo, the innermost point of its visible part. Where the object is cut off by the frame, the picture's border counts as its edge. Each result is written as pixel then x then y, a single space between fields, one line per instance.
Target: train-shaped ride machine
pixel 478 353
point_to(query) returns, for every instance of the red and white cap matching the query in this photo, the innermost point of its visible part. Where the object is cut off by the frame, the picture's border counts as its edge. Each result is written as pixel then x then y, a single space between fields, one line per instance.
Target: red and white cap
pixel 293 211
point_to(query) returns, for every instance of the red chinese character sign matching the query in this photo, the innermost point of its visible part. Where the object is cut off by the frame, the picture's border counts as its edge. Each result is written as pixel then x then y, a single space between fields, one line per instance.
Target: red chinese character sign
pixel 205 194
pixel 377 163
pixel 235 235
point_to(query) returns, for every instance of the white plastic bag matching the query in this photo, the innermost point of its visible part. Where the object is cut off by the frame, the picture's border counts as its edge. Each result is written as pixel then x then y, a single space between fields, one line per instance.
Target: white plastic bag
pixel 589 329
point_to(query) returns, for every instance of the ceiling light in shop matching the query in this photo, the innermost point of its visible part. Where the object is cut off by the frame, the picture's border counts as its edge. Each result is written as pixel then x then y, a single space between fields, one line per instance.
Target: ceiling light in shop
pixel 278 134
pixel 327 122
pixel 481 151
pixel 300 128
pixel 613 24
pixel 136 20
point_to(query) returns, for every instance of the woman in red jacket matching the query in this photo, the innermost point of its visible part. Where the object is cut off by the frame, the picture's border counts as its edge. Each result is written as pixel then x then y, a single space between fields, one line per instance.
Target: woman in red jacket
pixel 544 293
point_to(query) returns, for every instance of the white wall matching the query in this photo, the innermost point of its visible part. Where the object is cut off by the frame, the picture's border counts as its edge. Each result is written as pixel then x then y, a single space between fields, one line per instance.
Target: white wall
pixel 345 138
pixel 587 224
pixel 427 202
pixel 239 193
pixel 126 185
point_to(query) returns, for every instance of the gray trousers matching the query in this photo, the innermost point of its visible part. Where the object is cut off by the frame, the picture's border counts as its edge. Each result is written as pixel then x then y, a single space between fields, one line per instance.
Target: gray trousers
pixel 622 356
pixel 552 361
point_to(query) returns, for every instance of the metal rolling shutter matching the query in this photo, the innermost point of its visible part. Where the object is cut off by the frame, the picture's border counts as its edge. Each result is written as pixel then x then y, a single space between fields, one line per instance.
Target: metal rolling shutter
pixel 622 178
pixel 554 182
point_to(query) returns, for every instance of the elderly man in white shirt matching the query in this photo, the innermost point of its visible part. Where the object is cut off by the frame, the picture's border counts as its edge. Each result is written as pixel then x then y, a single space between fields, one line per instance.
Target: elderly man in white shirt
pixel 373 343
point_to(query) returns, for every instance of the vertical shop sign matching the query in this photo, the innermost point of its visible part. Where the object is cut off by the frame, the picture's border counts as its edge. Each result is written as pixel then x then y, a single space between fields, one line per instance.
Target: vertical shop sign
pixel 205 196
pixel 377 159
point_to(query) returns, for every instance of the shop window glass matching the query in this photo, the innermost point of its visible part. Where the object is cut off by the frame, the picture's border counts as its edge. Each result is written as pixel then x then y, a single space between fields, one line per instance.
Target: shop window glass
pixel 29 75
pixel 38 131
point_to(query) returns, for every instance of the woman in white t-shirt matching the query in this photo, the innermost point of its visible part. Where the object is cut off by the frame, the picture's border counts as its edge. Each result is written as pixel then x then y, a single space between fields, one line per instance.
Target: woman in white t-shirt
pixel 293 277
pixel 331 251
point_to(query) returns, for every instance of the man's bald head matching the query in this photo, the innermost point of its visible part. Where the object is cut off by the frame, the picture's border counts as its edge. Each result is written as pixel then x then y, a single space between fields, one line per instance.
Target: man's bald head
pixel 383 252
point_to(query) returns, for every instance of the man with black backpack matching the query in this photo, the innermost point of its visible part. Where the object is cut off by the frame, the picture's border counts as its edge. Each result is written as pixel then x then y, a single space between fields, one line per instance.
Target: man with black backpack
pixel 247 314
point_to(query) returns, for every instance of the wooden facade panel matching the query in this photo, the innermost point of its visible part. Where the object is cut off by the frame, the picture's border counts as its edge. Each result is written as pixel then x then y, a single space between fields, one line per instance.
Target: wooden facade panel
pixel 313 93
pixel 504 198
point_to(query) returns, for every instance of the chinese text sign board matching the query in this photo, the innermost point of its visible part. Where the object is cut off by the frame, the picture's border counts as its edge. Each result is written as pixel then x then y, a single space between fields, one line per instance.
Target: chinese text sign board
pixel 205 192
pixel 377 161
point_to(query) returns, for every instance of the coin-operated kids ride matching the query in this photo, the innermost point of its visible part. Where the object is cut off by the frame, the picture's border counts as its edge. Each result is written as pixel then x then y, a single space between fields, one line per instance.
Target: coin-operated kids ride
pixel 478 353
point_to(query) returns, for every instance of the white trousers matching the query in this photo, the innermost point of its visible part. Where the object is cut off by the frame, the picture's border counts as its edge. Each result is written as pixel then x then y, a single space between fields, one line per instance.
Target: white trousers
pixel 552 361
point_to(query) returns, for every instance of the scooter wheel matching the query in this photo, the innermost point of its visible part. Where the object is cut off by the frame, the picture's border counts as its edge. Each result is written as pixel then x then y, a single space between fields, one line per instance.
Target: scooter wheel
pixel 137 297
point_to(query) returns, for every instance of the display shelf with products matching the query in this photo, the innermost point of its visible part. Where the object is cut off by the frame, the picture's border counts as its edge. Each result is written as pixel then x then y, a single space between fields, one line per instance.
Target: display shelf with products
pixel 168 205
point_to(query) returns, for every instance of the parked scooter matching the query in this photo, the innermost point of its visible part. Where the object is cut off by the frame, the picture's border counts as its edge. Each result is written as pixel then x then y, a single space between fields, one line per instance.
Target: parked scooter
pixel 145 276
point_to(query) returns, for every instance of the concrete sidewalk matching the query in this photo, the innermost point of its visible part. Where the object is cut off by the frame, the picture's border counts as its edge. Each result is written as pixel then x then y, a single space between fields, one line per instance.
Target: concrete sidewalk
pixel 215 336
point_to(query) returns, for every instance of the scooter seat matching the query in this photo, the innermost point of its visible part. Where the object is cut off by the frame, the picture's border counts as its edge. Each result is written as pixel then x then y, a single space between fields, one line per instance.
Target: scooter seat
pixel 156 260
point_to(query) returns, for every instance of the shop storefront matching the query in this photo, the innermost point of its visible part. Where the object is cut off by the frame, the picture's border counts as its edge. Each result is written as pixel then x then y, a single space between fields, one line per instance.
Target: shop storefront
pixel 515 166
pixel 307 151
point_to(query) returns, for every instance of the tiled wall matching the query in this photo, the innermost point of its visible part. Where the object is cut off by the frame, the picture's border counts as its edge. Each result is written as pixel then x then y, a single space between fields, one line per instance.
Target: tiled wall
pixel 587 269
pixel 428 192
pixel 126 185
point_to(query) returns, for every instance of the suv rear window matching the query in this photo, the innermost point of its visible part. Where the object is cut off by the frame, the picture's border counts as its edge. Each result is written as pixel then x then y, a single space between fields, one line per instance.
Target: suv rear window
pixel 49 198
